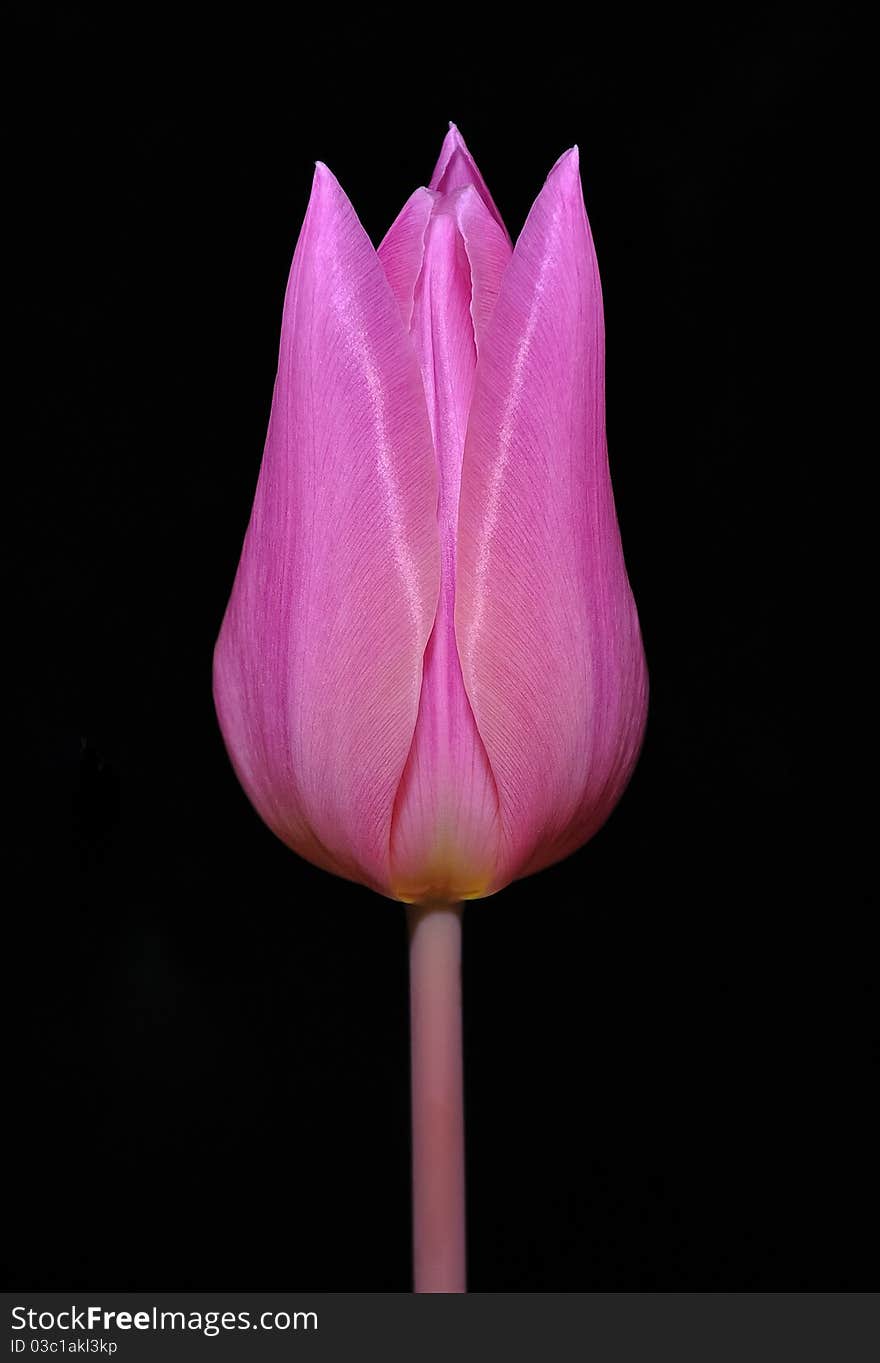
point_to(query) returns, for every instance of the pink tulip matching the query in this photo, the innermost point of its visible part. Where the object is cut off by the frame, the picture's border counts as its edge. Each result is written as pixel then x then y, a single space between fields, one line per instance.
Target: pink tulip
pixel 430 677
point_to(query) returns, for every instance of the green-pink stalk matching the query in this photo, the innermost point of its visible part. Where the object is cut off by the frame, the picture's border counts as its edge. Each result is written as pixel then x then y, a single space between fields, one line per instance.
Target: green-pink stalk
pixel 437 1098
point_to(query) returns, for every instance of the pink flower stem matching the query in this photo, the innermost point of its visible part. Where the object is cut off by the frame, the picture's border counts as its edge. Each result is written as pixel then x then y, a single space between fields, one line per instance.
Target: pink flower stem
pixel 437 1098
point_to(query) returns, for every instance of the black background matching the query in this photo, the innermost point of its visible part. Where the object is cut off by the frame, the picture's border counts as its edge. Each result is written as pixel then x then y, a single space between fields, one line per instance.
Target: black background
pixel 667 1036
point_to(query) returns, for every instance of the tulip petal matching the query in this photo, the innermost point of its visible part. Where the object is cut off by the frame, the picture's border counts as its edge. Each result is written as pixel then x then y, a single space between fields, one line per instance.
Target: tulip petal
pixel 445 256
pixel 545 620
pixel 444 833
pixel 456 168
pixel 488 251
pixel 319 662
pixel 402 249
pixel 446 273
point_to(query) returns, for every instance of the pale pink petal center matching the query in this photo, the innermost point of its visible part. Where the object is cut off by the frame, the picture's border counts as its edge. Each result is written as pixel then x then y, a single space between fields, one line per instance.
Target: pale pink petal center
pixel 445 829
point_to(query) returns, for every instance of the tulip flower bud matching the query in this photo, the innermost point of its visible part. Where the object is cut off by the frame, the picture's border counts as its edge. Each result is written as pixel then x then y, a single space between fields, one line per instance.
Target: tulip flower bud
pixel 430 676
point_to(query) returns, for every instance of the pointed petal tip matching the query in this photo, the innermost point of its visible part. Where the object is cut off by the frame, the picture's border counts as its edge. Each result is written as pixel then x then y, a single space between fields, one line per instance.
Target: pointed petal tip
pixel 326 189
pixel 452 141
pixel 569 162
pixel 456 168
pixel 565 176
pixel 322 177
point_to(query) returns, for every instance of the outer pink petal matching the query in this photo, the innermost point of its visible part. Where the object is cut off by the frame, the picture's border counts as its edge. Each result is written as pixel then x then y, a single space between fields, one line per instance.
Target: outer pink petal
pixel 546 624
pixel 319 661
pixel 456 168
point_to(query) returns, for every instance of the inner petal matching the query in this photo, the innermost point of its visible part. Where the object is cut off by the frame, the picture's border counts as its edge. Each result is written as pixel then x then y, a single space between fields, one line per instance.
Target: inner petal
pixel 445 826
